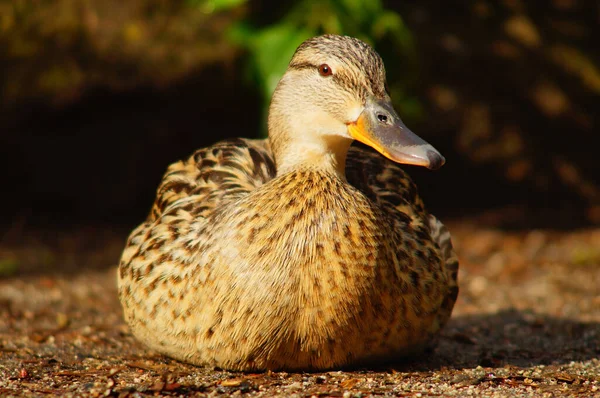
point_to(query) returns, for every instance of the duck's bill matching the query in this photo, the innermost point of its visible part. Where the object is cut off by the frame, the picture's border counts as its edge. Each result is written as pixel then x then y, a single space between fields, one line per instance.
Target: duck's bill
pixel 380 127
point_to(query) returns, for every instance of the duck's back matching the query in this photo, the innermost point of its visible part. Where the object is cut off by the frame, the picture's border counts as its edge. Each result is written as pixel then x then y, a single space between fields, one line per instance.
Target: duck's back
pixel 184 296
pixel 226 170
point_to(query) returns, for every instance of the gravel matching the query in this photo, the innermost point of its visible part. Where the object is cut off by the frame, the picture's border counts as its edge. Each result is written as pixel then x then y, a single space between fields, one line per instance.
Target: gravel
pixel 527 323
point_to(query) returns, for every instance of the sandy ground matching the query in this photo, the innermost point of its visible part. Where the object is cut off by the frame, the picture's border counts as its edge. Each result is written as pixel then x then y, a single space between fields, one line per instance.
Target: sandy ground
pixel 527 323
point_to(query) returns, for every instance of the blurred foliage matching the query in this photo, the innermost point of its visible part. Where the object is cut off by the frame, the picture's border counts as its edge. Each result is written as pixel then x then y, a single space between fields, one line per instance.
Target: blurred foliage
pixel 272 42
pixel 506 89
pixel 519 91
pixel 54 50
pixel 9 266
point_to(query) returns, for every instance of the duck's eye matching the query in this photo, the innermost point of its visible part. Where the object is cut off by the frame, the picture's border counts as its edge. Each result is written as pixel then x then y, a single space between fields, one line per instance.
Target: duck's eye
pixel 325 70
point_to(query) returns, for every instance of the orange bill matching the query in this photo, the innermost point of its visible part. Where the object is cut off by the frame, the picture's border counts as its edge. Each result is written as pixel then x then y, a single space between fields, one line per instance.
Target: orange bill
pixel 380 127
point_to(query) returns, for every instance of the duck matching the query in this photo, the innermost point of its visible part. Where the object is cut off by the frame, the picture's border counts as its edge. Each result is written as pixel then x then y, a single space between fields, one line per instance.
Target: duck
pixel 301 251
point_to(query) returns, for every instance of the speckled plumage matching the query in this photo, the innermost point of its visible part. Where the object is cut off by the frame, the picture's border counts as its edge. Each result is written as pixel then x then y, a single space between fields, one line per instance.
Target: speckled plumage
pixel 243 266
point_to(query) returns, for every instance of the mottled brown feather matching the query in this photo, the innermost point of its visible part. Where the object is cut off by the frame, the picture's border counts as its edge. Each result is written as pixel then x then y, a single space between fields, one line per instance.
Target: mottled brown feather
pixel 244 266
pixel 195 189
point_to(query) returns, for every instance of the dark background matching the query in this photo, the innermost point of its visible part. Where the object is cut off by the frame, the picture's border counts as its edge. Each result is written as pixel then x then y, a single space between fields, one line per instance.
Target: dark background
pixel 99 97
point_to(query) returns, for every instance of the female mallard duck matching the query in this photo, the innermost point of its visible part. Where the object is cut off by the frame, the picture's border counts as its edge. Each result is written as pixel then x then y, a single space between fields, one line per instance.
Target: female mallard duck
pixel 296 252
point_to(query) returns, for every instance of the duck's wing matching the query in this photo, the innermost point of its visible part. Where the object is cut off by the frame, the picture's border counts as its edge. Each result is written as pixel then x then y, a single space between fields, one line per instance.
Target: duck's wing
pixel 223 171
pixel 192 190
pixel 385 183
pixel 441 236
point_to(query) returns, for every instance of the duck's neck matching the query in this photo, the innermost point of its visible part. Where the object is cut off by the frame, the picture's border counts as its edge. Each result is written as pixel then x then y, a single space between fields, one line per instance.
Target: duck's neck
pixel 325 155
pixel 308 139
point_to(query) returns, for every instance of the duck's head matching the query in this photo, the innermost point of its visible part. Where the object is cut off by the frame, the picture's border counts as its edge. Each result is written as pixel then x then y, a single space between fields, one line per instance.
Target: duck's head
pixel 334 92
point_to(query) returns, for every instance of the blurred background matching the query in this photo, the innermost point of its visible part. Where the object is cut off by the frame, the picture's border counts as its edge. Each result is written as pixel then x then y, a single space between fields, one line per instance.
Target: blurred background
pixel 98 97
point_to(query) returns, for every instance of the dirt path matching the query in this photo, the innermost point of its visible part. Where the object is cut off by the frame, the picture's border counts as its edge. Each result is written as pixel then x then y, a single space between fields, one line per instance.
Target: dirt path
pixel 527 323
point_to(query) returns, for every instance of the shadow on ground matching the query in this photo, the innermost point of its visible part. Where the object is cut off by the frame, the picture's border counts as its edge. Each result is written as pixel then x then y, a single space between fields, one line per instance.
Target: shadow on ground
pixel 518 338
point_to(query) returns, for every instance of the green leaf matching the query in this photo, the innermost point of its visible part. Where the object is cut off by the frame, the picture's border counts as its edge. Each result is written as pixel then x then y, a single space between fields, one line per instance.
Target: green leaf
pixel 211 6
pixel 272 50
pixel 389 22
pixel 8 266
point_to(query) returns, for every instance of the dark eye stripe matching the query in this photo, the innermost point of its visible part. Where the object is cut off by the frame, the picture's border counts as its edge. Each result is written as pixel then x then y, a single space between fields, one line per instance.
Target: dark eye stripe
pixel 340 78
pixel 302 65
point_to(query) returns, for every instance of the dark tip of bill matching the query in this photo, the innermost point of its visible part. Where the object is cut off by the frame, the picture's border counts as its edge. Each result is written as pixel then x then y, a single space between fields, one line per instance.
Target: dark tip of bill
pixel 435 160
